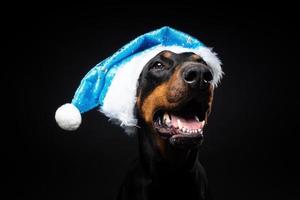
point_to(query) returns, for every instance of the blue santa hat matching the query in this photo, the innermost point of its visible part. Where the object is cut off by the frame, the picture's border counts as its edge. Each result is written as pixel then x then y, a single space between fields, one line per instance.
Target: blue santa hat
pixel 111 84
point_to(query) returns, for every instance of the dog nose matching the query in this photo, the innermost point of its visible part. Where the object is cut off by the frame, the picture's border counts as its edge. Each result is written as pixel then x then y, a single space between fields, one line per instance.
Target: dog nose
pixel 197 76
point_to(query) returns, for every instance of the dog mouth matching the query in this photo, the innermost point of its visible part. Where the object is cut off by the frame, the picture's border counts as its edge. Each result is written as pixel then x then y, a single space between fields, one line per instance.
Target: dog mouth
pixel 181 125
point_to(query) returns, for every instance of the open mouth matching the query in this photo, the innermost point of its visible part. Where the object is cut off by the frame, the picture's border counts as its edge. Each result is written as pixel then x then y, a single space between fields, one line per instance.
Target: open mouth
pixel 184 123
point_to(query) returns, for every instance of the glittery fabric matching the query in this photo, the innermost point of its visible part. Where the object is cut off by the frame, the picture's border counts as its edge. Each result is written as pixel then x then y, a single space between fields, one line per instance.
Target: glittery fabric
pixel 94 85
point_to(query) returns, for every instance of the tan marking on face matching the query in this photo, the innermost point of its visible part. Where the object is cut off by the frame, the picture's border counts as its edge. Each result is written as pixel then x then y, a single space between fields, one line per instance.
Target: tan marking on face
pixel 154 101
pixel 167 54
pixel 167 96
pixel 138 101
pixel 177 88
pixel 195 57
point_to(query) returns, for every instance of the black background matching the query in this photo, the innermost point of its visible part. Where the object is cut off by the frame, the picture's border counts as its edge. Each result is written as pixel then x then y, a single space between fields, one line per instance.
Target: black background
pixel 250 151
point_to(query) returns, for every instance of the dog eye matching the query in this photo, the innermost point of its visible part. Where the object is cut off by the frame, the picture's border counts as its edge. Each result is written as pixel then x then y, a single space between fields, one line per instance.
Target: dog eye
pixel 158 66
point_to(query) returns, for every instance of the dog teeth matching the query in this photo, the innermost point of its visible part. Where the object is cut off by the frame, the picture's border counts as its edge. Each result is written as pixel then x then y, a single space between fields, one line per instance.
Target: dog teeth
pixel 179 124
pixel 197 118
pixel 166 118
pixel 159 121
pixel 187 131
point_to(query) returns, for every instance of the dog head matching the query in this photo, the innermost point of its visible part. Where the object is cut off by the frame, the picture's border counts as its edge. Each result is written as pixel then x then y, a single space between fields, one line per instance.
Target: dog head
pixel 174 97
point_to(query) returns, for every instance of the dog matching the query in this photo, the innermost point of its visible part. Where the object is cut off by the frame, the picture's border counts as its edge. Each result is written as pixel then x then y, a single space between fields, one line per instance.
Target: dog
pixel 174 99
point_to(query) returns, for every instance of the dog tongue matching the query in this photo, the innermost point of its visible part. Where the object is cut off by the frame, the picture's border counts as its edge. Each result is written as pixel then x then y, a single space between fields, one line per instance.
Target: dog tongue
pixel 187 122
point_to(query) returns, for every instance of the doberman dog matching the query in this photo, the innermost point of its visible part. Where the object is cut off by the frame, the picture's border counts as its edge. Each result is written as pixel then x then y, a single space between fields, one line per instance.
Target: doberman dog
pixel 174 98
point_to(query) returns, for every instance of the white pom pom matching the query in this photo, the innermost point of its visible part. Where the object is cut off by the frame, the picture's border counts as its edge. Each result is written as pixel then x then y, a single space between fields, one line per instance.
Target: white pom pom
pixel 68 117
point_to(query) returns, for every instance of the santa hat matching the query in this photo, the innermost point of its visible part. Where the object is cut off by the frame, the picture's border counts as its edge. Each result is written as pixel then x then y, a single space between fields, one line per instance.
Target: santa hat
pixel 111 84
